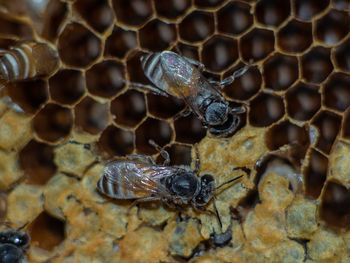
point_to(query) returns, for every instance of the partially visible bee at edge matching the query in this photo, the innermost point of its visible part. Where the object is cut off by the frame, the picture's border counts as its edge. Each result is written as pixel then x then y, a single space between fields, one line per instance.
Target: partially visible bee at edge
pixel 181 77
pixel 25 61
pixel 13 245
pixel 138 177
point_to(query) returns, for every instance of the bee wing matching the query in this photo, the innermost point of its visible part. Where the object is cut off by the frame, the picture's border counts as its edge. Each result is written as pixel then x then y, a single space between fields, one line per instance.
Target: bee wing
pixel 133 180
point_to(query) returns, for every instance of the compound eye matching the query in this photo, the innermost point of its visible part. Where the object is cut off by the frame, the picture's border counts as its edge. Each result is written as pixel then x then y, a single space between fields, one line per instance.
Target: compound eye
pixel 216 113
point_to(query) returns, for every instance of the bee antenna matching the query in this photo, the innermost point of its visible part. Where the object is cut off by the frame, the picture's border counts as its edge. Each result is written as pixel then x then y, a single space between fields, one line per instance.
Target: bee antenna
pixel 229 181
pixel 217 213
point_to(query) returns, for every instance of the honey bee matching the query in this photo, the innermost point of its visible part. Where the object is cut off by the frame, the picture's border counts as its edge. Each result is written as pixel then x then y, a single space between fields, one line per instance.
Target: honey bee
pixel 181 77
pixel 26 60
pixel 140 178
pixel 13 244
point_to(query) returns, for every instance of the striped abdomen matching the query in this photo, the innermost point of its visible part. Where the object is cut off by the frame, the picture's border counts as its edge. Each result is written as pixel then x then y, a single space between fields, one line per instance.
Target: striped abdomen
pixel 152 67
pixel 27 60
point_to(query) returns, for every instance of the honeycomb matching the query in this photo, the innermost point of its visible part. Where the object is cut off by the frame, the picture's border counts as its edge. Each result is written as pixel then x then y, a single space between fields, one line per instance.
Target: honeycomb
pixel 58 128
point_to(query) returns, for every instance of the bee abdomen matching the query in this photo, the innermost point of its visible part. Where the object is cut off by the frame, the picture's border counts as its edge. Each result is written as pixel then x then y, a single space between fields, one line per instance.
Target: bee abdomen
pixel 152 67
pixel 109 189
pixel 27 60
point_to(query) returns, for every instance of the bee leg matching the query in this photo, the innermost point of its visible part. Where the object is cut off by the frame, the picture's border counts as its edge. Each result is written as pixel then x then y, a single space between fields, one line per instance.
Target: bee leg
pixel 196 63
pixel 244 169
pixel 197 163
pixel 230 79
pixel 144 158
pixel 180 114
pixel 147 87
pixel 141 200
pixel 162 152
pixel 238 110
pixel 216 213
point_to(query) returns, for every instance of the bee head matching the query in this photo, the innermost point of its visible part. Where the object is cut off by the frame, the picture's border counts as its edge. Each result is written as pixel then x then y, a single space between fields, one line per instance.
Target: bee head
pixel 17 238
pixel 206 191
pixel 184 185
pixel 216 113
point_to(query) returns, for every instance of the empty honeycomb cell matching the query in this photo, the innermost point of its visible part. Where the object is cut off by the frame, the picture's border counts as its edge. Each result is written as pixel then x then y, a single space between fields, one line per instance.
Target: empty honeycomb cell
pixel 257 44
pixel 333 27
pixel 197 26
pixel 189 129
pixel 286 133
pixel 306 10
pixel 315 173
pixel 342 4
pixel 154 129
pixel 29 95
pixel 219 52
pixel 105 79
pixel 120 42
pixel 280 71
pixel 245 86
pixel 157 35
pixel 342 56
pixel 97 13
pixel 53 122
pixel 335 205
pixel 116 142
pixel 208 3
pixel 163 107
pixel 188 51
pixel 171 9
pixel 55 13
pixel 77 46
pixel 234 18
pixel 316 64
pixel 296 36
pixel 15 29
pixel 180 154
pixel 328 124
pixel 265 109
pixel 37 160
pixel 67 86
pixel 272 13
pixel 133 13
pixel 346 124
pixel 91 115
pixel 46 232
pixel 337 91
pixel 129 108
pixel 303 101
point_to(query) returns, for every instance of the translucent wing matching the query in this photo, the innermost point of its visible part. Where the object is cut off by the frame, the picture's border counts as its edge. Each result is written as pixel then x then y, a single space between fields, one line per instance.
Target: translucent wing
pixel 133 180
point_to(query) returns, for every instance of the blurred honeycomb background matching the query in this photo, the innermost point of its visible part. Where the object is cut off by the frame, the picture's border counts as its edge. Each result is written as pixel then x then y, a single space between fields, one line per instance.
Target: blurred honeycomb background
pixel 58 128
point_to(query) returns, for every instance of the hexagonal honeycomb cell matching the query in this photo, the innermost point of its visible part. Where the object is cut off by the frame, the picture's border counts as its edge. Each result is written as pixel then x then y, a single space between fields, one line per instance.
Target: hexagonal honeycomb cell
pixel 290 143
pixel 53 122
pixel 306 10
pixel 280 71
pixel 295 37
pixel 171 9
pixel 219 52
pixel 98 14
pixel 197 26
pixel 104 79
pixel 157 35
pixel 333 27
pixel 272 13
pixel 67 86
pixel 120 42
pixel 91 115
pixel 257 44
pixel 78 46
